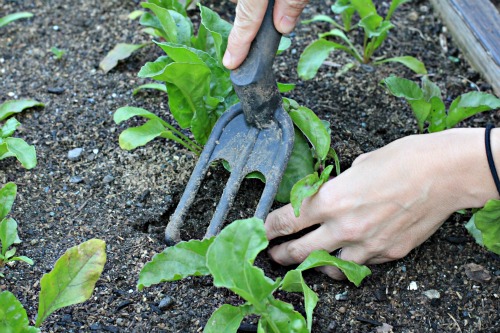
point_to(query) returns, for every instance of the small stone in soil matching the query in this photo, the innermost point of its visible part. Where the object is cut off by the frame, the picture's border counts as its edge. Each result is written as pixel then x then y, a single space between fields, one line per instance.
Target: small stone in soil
pixel 477 273
pixel 432 294
pixel 122 305
pixel 95 326
pixel 108 179
pixel 380 295
pixel 332 327
pixel 165 303
pixel 75 154
pixel 56 90
pixel 342 297
pixel 76 179
pixel 413 286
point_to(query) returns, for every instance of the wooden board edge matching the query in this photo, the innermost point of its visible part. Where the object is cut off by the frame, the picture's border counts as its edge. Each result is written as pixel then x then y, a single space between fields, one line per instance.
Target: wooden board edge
pixel 472 49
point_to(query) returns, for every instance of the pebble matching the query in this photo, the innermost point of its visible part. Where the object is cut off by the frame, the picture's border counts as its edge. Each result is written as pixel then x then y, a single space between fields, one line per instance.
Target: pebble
pixel 76 179
pixel 342 309
pixel 56 90
pixel 342 297
pixel 332 327
pixel 75 154
pixel 413 286
pixel 108 179
pixel 432 294
pixel 165 303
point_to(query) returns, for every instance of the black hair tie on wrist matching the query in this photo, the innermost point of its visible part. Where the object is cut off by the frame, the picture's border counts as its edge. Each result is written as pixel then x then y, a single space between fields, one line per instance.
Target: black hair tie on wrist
pixel 489 155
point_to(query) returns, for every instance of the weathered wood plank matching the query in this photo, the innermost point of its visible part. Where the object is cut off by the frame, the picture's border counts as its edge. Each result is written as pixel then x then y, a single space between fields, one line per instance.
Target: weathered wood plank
pixel 475 27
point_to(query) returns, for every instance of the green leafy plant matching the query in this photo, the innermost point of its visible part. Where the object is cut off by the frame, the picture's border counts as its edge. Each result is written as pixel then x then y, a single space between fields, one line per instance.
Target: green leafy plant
pixel 431 114
pixel 8 228
pixel 375 29
pixel 200 90
pixel 15 147
pixel 71 281
pixel 229 259
pixel 58 53
pixel 13 17
pixel 430 110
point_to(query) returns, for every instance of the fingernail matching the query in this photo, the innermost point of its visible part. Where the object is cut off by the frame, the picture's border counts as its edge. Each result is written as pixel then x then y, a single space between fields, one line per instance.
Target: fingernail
pixel 287 24
pixel 227 59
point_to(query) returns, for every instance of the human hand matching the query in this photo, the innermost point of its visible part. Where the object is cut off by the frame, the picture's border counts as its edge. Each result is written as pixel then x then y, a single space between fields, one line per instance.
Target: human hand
pixel 249 16
pixel 390 201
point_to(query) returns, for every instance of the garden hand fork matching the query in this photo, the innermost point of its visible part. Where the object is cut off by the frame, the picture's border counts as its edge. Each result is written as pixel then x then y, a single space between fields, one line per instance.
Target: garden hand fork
pixel 253 135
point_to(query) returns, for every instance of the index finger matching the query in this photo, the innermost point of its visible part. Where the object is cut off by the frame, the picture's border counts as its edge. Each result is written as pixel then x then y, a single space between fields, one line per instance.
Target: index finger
pixel 249 16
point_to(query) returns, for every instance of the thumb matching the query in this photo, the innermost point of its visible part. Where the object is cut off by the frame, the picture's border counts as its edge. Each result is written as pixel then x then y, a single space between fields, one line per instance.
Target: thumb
pixel 287 13
pixel 249 16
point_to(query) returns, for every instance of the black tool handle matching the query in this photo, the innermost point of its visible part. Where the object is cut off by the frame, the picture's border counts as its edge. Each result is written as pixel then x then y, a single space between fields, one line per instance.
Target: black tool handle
pixel 254 81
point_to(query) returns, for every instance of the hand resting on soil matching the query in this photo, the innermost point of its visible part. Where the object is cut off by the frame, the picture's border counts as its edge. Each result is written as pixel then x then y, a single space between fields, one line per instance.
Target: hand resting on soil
pixel 391 200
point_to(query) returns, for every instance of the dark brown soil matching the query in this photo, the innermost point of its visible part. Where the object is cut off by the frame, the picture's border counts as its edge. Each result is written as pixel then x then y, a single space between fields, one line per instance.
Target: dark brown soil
pixel 126 198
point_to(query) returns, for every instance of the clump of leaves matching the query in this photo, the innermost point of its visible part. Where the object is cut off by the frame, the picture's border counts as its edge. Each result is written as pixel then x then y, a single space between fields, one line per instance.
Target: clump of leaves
pixel 431 114
pixel 8 228
pixel 229 259
pixel 199 90
pixel 429 108
pixel 58 53
pixel 375 29
pixel 15 147
pixel 71 281
pixel 13 17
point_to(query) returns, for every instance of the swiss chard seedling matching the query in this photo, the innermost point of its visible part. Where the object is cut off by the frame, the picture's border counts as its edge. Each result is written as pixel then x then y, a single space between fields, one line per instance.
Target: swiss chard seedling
pixel 428 106
pixel 229 259
pixel 199 90
pixel 375 29
pixel 15 147
pixel 71 281
pixel 8 228
pixel 13 17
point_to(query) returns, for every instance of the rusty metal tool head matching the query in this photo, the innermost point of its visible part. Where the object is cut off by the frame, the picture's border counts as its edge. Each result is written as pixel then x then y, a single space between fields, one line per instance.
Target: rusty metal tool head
pixel 253 135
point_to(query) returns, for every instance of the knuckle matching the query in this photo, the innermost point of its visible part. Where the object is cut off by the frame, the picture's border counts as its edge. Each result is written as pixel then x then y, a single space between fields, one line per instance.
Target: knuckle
pixel 297 4
pixel 298 252
pixel 283 226
pixel 395 253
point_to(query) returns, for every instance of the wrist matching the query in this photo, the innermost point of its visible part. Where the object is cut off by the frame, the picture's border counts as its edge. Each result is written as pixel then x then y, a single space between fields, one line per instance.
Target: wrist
pixel 470 178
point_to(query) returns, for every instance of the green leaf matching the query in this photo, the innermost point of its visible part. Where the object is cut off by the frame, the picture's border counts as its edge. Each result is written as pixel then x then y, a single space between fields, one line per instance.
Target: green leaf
pixel 487 220
pixel 9 127
pixel 135 14
pixel 8 234
pixel 320 18
pixel 16 106
pixel 400 87
pixel 155 86
pixel 134 137
pixel 7 196
pixel 25 153
pixel 306 187
pixel 284 44
pixel 294 282
pixel 411 62
pixel 474 231
pixel 364 8
pixel 72 279
pixel 281 317
pixel 58 53
pixel 437 117
pixel 374 26
pixel 421 110
pixel 394 5
pixel 175 263
pixel 354 272
pixel 286 87
pixel 227 318
pixel 12 17
pixel 469 104
pixel 168 25
pixel 230 260
pixel 301 164
pixel 430 89
pixel 126 112
pixel 314 55
pixel 120 52
pixel 218 28
pixel 13 317
pixel 313 129
pixel 25 259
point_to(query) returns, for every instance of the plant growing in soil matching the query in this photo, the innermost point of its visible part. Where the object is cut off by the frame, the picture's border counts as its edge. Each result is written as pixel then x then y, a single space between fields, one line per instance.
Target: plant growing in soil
pixel 71 281
pixel 200 90
pixel 229 259
pixel 58 53
pixel 431 114
pixel 8 228
pixel 13 17
pixel 430 110
pixel 375 29
pixel 15 147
